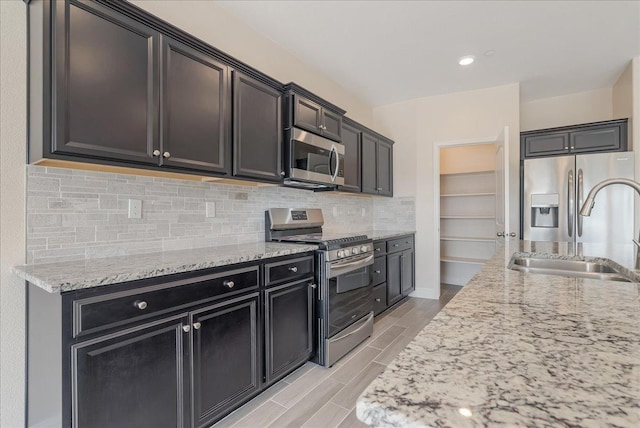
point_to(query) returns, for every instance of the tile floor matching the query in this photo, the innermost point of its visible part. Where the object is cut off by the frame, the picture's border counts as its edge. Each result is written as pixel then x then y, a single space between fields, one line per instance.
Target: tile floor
pixel 314 396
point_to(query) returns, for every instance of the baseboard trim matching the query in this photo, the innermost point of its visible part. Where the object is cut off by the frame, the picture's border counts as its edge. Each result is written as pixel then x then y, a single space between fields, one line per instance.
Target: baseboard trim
pixel 426 293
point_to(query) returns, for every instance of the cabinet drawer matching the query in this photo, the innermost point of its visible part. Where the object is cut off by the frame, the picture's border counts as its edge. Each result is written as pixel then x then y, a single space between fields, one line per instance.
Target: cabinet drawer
pixel 379 298
pixel 379 270
pixel 400 244
pixel 115 309
pixel 379 247
pixel 288 269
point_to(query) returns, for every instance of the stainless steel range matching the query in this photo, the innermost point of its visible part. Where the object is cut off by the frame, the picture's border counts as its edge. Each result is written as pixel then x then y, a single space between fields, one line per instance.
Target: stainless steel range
pixel 344 275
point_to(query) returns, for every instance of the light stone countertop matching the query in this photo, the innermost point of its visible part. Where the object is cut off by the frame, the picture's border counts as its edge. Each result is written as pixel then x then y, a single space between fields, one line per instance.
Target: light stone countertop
pixel 387 234
pixel 521 349
pixel 68 276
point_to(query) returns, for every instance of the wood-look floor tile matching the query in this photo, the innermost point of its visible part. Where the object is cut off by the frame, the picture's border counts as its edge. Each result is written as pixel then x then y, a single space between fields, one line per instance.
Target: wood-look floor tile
pixel 379 326
pixel 355 364
pixel 293 392
pixel 262 416
pixel 308 405
pixel 349 394
pixel 352 421
pixel 329 416
pixel 300 372
pixel 391 351
pixel 402 309
pixel 387 337
pixel 250 406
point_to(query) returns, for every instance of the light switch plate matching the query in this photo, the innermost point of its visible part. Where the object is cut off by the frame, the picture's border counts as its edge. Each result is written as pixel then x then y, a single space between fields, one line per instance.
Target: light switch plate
pixel 211 209
pixel 135 208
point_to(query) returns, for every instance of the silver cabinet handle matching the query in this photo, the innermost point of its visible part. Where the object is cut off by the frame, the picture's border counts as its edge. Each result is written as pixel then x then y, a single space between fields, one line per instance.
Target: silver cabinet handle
pixel 378 300
pixel 395 245
pixel 378 249
pixel 197 325
pixel 166 155
pixel 186 328
pixel 140 304
pixel 293 269
pixel 282 174
pixel 501 234
pixel 156 152
pixel 314 286
pixel 512 234
pixel 378 188
pixel 377 271
pixel 229 284
pixel 571 197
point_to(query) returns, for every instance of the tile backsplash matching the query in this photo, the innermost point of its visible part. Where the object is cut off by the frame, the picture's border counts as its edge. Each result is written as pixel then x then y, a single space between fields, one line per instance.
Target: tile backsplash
pixel 76 214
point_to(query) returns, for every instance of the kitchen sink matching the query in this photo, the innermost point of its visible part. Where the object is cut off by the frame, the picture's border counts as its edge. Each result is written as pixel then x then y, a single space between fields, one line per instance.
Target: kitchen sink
pixel 572 268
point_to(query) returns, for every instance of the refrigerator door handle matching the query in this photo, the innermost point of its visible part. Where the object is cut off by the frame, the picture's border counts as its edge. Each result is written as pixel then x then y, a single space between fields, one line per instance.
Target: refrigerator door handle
pixel 580 201
pixel 572 203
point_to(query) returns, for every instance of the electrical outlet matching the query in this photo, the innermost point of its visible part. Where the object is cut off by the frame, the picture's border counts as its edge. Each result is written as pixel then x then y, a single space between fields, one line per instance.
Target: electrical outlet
pixel 211 209
pixel 135 208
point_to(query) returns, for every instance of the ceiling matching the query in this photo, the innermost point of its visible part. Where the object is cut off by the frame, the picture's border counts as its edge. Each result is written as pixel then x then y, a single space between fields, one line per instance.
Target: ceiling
pixel 390 51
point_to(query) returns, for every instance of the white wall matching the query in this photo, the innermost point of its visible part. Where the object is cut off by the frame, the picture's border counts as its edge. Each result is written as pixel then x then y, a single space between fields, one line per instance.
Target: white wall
pixel 13 38
pixel 416 125
pixel 480 157
pixel 582 107
pixel 213 24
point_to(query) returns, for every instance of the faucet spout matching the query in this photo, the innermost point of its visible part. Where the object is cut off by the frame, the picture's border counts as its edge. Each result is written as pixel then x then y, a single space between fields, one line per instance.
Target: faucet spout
pixel 589 202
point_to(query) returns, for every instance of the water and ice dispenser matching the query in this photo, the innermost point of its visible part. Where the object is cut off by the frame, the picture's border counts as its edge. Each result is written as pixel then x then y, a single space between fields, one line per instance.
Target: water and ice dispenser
pixel 544 210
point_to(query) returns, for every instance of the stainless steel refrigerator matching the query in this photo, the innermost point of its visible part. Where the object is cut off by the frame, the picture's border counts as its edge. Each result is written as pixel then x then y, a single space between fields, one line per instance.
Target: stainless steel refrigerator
pixel 555 187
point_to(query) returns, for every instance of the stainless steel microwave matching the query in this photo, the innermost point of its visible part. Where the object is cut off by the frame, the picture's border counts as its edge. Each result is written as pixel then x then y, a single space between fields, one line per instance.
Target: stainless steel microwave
pixel 312 161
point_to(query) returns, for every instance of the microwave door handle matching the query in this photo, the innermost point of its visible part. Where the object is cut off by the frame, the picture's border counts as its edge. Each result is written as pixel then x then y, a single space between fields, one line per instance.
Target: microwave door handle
pixel 337 160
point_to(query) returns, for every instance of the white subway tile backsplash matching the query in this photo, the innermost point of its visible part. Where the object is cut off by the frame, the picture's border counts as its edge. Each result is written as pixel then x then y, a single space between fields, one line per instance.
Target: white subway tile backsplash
pixel 75 214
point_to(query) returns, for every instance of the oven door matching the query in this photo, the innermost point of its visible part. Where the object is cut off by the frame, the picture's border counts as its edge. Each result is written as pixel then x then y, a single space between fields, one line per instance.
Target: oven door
pixel 350 292
pixel 315 159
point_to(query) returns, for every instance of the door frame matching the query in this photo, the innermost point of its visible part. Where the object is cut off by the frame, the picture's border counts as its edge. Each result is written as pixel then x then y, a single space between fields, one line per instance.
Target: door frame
pixel 436 187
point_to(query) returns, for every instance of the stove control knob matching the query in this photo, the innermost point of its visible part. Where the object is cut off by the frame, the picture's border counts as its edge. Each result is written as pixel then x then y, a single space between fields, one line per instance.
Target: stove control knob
pixel 364 249
pixel 340 253
pixel 347 252
pixel 355 250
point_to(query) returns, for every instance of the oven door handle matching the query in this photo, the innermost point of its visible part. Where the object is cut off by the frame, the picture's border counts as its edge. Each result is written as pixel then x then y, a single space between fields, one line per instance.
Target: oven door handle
pixel 342 268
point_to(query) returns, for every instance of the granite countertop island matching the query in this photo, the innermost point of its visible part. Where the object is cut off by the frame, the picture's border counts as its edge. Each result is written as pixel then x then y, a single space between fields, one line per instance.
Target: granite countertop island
pixel 521 349
pixel 68 276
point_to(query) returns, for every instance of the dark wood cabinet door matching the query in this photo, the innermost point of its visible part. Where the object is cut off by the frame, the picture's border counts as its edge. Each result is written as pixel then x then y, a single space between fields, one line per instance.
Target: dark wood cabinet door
pixel 394 278
pixel 257 130
pixel 106 84
pixel 224 365
pixel 379 298
pixel 332 125
pixel 385 168
pixel 134 378
pixel 352 167
pixel 546 144
pixel 307 114
pixel 195 110
pixel 600 138
pixel 408 282
pixel 369 164
pixel 288 328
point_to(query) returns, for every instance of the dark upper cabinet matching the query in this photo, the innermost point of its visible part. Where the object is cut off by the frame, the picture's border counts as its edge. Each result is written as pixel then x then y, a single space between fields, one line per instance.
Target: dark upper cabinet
pixel 307 114
pixel 105 84
pixel 226 353
pixel 257 129
pixel 351 141
pixel 609 136
pixel 377 165
pixel 331 124
pixel 307 111
pixel 288 328
pixel 134 378
pixel 407 269
pixel 195 110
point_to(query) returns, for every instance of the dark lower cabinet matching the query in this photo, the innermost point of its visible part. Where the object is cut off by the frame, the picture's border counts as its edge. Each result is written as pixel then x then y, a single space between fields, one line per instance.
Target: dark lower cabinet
pixel 394 273
pixel 288 328
pixel 135 378
pixel 257 130
pixel 104 84
pixel 225 363
pixel 394 278
pixel 379 298
pixel 407 271
pixel 195 110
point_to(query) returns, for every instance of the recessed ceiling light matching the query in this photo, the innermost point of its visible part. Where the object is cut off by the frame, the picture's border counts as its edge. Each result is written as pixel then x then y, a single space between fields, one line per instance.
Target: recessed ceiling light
pixel 466 60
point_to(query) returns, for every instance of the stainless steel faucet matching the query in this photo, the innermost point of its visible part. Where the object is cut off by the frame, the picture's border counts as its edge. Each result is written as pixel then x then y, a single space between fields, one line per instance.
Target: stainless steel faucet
pixel 591 200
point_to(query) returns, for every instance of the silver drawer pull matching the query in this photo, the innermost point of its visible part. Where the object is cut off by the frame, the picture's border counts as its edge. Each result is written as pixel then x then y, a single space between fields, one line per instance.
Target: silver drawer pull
pixel 378 300
pixel 293 269
pixel 395 245
pixel 229 284
pixel 186 328
pixel 156 152
pixel 166 155
pixel 140 304
pixel 377 271
pixel 197 325
pixel 378 249
pixel 314 286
